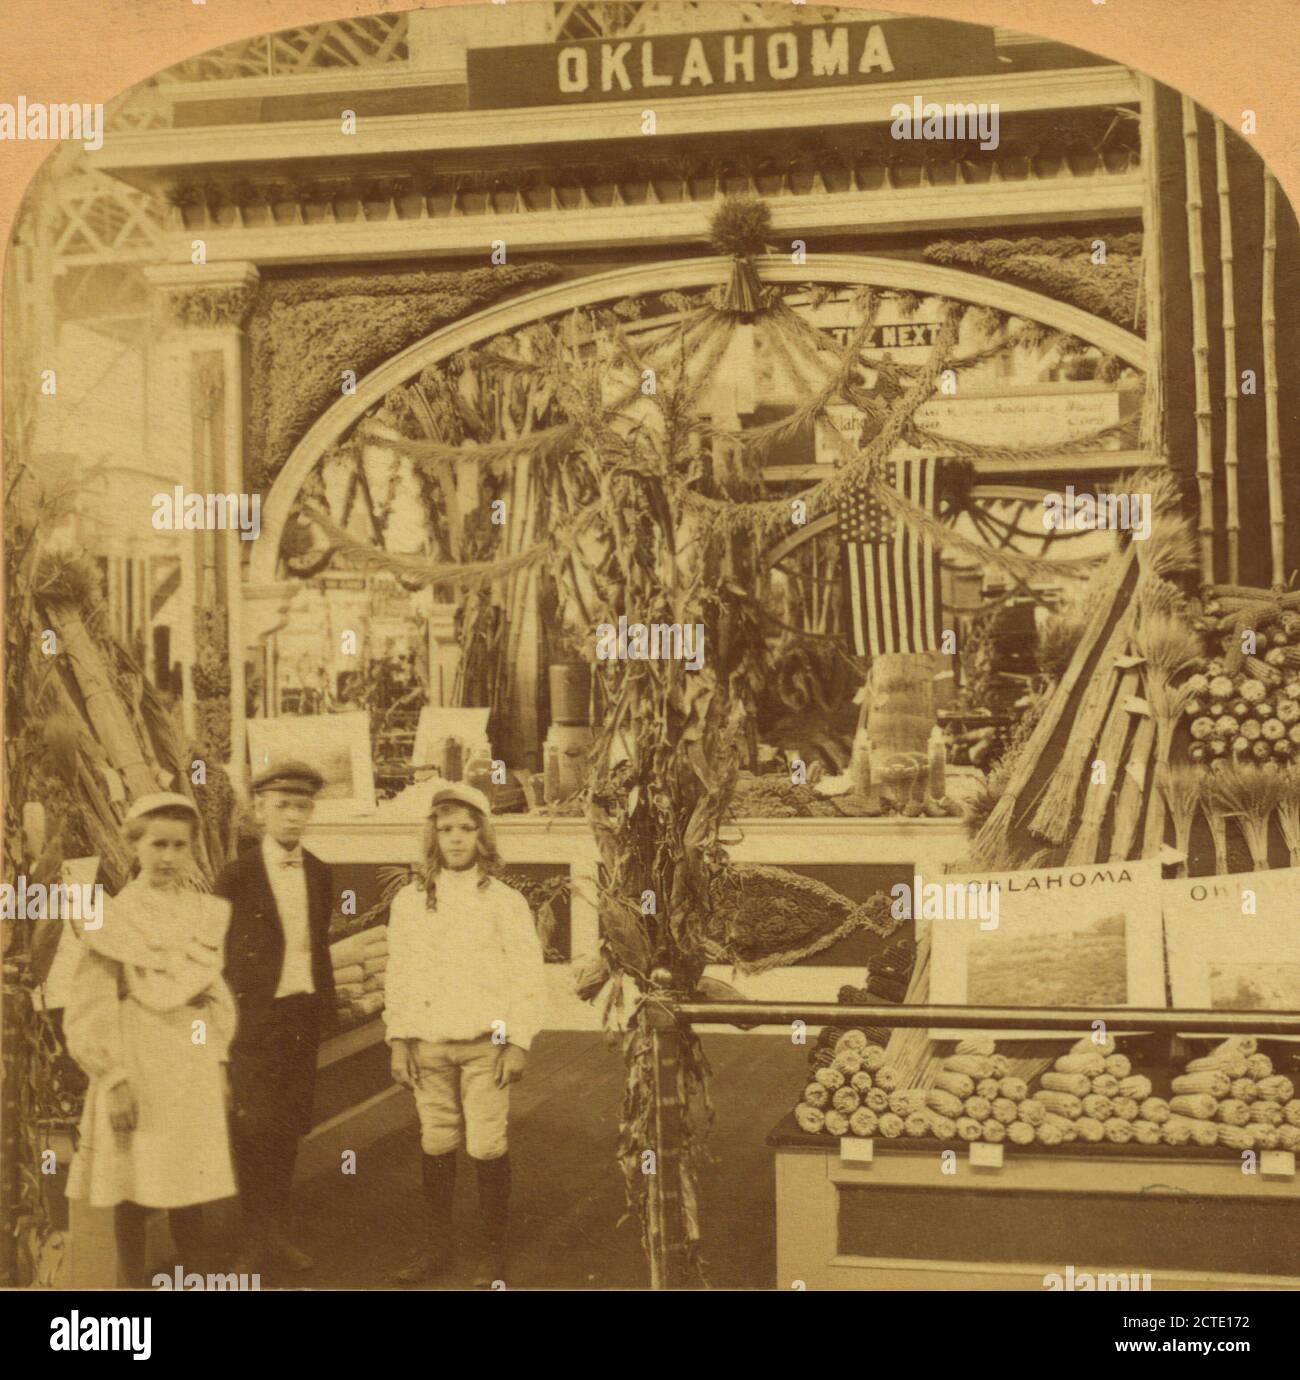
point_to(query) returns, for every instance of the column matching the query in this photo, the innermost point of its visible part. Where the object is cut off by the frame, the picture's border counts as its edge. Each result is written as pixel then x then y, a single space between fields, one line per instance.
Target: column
pixel 204 308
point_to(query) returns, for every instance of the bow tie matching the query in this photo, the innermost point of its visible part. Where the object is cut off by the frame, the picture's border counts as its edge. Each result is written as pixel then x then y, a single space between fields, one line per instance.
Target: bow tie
pixel 291 860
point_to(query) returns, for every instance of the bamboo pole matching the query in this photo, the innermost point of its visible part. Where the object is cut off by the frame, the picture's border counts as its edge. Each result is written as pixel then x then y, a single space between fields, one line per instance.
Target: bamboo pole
pixel 1230 386
pixel 1268 316
pixel 1153 431
pixel 1200 338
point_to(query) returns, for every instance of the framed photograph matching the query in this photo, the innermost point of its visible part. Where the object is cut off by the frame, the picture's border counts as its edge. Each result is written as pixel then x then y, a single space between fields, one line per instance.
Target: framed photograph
pixel 337 745
pixel 1233 943
pixel 440 722
pixel 1086 936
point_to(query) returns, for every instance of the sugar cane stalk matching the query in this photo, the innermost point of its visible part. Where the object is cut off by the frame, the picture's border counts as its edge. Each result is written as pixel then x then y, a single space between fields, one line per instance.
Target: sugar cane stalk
pixel 1200 338
pixel 1268 316
pixel 1229 352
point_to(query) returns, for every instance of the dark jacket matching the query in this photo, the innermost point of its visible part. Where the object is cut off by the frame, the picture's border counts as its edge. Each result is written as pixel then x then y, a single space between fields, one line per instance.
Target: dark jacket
pixel 255 939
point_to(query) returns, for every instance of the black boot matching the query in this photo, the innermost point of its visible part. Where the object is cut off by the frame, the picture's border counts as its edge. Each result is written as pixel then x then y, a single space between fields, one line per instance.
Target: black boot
pixel 438 1176
pixel 494 1209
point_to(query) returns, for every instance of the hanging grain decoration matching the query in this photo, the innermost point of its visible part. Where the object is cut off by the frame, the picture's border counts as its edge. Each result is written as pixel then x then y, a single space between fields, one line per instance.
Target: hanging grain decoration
pixel 1268 316
pixel 1229 353
pixel 1200 337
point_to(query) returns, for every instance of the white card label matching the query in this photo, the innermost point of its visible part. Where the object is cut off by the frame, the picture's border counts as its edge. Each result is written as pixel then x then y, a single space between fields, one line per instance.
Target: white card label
pixel 856 1148
pixel 1278 1164
pixel 984 1155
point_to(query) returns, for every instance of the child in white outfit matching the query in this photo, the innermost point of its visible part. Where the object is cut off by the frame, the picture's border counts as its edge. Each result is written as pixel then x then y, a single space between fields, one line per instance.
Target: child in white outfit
pixel 150 1021
pixel 464 997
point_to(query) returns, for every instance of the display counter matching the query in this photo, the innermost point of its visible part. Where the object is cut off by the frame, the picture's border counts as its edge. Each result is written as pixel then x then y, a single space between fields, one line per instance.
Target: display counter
pixel 1190 1219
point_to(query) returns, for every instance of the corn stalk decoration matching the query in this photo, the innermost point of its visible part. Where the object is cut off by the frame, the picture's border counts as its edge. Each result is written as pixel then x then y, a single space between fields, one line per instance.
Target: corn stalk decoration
pixel 642 506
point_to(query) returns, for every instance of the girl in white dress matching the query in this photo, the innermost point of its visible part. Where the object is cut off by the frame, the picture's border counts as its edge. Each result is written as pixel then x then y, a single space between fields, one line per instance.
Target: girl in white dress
pixel 150 1020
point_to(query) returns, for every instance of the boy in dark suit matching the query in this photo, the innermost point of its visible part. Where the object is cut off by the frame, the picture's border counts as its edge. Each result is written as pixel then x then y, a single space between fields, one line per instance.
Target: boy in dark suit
pixel 278 967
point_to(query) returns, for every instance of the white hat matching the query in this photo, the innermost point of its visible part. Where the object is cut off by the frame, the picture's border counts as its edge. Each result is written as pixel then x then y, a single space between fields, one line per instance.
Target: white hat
pixel 458 793
pixel 161 800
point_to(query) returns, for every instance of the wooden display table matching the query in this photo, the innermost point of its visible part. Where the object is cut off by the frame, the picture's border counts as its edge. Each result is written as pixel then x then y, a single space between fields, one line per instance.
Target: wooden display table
pixel 1189 1218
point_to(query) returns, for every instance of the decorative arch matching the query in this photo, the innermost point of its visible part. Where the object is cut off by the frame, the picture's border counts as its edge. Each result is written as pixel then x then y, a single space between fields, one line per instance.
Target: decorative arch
pixel 683 275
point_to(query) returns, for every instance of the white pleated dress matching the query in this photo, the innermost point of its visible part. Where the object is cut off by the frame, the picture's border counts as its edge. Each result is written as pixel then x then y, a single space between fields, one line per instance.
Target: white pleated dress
pixel 143 982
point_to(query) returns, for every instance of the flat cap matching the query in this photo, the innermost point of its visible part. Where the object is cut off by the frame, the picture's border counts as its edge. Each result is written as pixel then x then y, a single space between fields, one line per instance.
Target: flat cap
pixel 459 793
pixel 161 800
pixel 295 777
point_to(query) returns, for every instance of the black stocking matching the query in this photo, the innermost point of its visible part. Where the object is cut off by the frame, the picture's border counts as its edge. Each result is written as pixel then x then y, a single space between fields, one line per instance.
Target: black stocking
pixel 128 1228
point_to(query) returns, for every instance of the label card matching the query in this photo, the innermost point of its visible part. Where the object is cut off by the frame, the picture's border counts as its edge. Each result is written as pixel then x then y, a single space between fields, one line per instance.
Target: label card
pixel 1277 1164
pixel 984 1155
pixel 857 1149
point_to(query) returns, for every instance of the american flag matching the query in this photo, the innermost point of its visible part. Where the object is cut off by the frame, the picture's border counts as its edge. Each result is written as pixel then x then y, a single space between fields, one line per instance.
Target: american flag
pixel 893 573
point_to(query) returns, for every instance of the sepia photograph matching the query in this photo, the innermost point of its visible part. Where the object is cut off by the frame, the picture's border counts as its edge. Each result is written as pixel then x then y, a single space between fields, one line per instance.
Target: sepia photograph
pixel 649 647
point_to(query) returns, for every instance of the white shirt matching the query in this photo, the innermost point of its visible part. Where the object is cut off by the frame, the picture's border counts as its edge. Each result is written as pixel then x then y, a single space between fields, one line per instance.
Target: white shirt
pixel 289 887
pixel 456 971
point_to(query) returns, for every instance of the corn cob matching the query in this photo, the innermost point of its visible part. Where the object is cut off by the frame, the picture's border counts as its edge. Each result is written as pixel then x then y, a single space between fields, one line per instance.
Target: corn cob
pixel 1106 1084
pixel 1048 1134
pixel 886 1078
pixel 1146 1133
pixel 837 1124
pixel 1031 1112
pixel 1014 1088
pixel 1227 1058
pixel 973 1065
pixel 916 1126
pixel 1288 1137
pixel 861 1082
pixel 1276 1087
pixel 1126 1108
pixel 906 1101
pixel 873 1058
pixel 1235 1138
pixel 810 1119
pixel 1291 1112
pixel 1090 1064
pixel 1119 1065
pixel 999 1066
pixel 1119 1131
pixel 978 1108
pixel 1259 1066
pixel 1201 1106
pixel 848 1063
pixel 1266 1137
pixel 891 1125
pixel 1155 1109
pixel 1268 1113
pixel 968 1128
pixel 987 1088
pixel 877 1100
pixel 993 1131
pixel 1210 1081
pixel 1089 1129
pixel 854 1040
pixel 829 1078
pixel 1089 1045
pixel 944 1103
pixel 1204 1133
pixel 975 1044
pixel 863 1122
pixel 942 1127
pixel 1064 1124
pixel 1063 1103
pixel 1098 1107
pixel 1020 1133
pixel 1004 1110
pixel 816 1096
pixel 846 1100
pixel 1233 1113
pixel 958 1084
pixel 1243 1089
pixel 1177 1130
pixel 1136 1086
pixel 1075 1083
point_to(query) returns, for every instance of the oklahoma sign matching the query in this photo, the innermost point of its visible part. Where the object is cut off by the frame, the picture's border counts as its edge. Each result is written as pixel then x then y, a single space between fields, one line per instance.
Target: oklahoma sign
pixel 662 66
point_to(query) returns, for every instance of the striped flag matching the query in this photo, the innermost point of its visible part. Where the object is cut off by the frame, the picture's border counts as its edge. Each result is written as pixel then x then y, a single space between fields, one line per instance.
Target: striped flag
pixel 893 573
